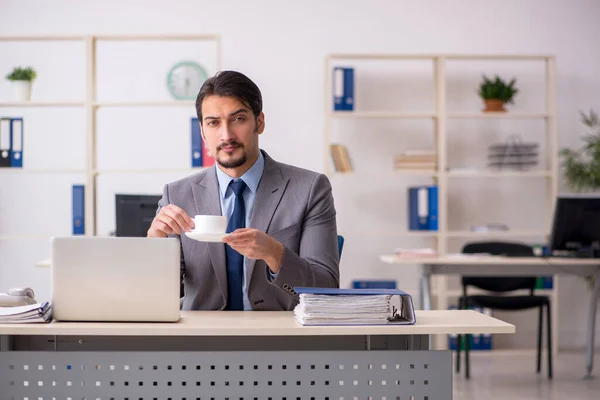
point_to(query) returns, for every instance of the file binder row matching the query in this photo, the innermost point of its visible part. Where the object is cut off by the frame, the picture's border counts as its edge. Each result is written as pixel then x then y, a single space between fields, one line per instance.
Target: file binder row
pixel 343 89
pixel 200 155
pixel 423 208
pixel 11 142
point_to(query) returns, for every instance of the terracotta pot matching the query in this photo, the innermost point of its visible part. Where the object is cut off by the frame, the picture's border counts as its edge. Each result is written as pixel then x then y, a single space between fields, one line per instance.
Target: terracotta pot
pixel 494 105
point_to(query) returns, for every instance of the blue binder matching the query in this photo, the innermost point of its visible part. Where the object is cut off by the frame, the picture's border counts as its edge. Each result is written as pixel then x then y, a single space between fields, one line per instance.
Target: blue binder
pixel 423 208
pixel 196 143
pixel 374 284
pixel 16 142
pixel 348 89
pixel 78 208
pixel 5 142
pixel 418 208
pixel 432 217
pixel 404 316
pixel 343 89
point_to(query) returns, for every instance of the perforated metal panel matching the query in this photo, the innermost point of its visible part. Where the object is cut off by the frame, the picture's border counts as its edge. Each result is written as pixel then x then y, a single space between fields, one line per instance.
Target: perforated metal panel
pixel 275 375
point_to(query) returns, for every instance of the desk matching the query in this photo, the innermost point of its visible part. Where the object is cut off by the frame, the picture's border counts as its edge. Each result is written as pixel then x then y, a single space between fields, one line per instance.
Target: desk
pixel 235 355
pixel 510 266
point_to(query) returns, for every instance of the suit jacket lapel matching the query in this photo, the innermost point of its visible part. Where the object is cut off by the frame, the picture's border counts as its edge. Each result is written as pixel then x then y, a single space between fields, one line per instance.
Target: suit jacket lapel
pixel 206 198
pixel 268 195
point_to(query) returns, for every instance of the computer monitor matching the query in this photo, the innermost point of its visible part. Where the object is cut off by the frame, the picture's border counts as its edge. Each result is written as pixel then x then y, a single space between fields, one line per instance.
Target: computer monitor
pixel 576 226
pixel 135 213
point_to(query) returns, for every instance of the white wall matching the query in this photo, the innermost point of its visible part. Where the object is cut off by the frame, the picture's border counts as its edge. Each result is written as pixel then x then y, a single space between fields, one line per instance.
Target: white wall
pixel 281 46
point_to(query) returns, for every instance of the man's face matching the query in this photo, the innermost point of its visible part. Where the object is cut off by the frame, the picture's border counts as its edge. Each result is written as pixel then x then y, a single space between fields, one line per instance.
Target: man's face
pixel 231 132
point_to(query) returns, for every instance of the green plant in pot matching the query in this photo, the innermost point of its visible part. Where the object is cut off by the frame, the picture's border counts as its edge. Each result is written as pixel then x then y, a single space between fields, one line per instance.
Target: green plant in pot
pixel 582 166
pixel 496 93
pixel 22 80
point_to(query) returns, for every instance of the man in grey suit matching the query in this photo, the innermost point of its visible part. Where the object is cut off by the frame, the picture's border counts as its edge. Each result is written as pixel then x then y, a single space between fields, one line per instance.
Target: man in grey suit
pixel 282 218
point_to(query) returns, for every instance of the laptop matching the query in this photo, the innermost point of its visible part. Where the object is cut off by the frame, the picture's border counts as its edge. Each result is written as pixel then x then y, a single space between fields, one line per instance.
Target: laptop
pixel 125 279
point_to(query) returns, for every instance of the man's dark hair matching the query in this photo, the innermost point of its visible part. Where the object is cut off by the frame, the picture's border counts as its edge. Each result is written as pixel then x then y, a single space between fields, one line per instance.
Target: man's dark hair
pixel 231 83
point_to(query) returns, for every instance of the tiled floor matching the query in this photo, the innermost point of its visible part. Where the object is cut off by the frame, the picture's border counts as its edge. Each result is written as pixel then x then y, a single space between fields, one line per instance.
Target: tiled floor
pixel 512 376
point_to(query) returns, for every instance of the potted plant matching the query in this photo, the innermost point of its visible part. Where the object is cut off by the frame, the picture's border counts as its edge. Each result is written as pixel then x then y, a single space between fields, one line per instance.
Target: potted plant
pixel 22 79
pixel 496 93
pixel 582 167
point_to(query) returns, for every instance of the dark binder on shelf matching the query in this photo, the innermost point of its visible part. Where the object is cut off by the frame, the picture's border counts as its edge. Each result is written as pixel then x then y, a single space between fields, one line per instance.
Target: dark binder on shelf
pixel 349 312
pixel 423 208
pixel 78 208
pixel 196 143
pixel 5 142
pixel 16 142
pixel 343 89
pixel 418 208
pixel 432 218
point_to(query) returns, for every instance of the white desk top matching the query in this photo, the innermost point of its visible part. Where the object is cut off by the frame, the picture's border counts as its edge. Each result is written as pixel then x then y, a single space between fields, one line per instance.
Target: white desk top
pixel 487 260
pixel 260 323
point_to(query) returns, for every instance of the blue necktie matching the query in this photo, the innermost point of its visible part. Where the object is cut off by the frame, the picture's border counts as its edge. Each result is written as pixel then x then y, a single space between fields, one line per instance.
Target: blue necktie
pixel 235 261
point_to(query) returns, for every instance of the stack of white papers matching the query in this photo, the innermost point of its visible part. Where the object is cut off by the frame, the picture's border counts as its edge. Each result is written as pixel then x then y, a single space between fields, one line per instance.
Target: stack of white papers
pixel 40 312
pixel 415 253
pixel 322 309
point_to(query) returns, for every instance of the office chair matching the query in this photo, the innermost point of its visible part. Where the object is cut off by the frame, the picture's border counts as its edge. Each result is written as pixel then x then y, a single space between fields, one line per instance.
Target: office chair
pixel 504 302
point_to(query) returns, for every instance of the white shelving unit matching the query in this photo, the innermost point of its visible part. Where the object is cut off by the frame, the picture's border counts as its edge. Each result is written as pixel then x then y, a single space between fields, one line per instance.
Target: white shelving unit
pixel 443 176
pixel 91 106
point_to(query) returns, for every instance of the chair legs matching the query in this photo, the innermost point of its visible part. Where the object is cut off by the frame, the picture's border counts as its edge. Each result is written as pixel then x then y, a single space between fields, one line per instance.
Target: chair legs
pixel 539 343
pixel 549 339
pixel 549 331
pixel 458 339
pixel 539 340
pixel 462 304
pixel 467 361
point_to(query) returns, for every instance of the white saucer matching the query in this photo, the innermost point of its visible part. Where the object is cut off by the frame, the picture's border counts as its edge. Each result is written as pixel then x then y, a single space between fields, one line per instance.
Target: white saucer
pixel 206 237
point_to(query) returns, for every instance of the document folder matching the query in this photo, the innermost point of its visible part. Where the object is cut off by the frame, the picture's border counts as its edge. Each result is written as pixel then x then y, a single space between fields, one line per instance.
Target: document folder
pixel 16 143
pixel 331 306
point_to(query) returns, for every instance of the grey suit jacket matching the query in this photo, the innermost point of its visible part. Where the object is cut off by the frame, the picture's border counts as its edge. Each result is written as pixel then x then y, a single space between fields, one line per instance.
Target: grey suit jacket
pixel 293 205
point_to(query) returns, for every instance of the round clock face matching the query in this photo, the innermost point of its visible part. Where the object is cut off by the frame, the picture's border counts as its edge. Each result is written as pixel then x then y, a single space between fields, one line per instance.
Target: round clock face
pixel 185 80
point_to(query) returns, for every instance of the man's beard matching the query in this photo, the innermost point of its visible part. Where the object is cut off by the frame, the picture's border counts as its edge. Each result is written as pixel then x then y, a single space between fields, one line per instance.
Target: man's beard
pixel 232 162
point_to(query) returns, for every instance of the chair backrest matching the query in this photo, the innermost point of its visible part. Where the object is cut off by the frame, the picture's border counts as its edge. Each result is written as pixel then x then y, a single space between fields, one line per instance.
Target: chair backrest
pixel 499 284
pixel 340 245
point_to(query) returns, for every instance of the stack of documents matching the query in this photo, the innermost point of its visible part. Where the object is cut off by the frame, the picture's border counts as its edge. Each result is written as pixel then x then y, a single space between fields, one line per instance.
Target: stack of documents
pixel 415 253
pixel 40 312
pixel 324 306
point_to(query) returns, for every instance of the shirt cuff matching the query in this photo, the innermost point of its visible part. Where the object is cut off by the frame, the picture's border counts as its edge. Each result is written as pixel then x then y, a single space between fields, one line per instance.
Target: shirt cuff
pixel 271 274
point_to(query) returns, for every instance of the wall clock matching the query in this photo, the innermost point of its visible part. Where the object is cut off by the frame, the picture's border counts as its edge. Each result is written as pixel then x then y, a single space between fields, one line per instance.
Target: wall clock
pixel 185 80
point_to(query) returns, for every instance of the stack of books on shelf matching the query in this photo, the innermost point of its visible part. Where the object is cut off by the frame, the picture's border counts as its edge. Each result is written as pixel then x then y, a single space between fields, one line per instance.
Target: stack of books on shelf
pixel 416 160
pixel 341 160
pixel 332 306
pixel 39 312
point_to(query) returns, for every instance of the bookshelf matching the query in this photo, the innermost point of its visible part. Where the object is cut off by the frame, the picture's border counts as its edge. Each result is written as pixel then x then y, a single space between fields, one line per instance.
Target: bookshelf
pixel 85 51
pixel 91 106
pixel 440 116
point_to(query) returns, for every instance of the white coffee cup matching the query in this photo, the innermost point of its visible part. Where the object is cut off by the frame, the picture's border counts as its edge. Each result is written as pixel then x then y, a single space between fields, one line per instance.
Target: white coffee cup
pixel 210 223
